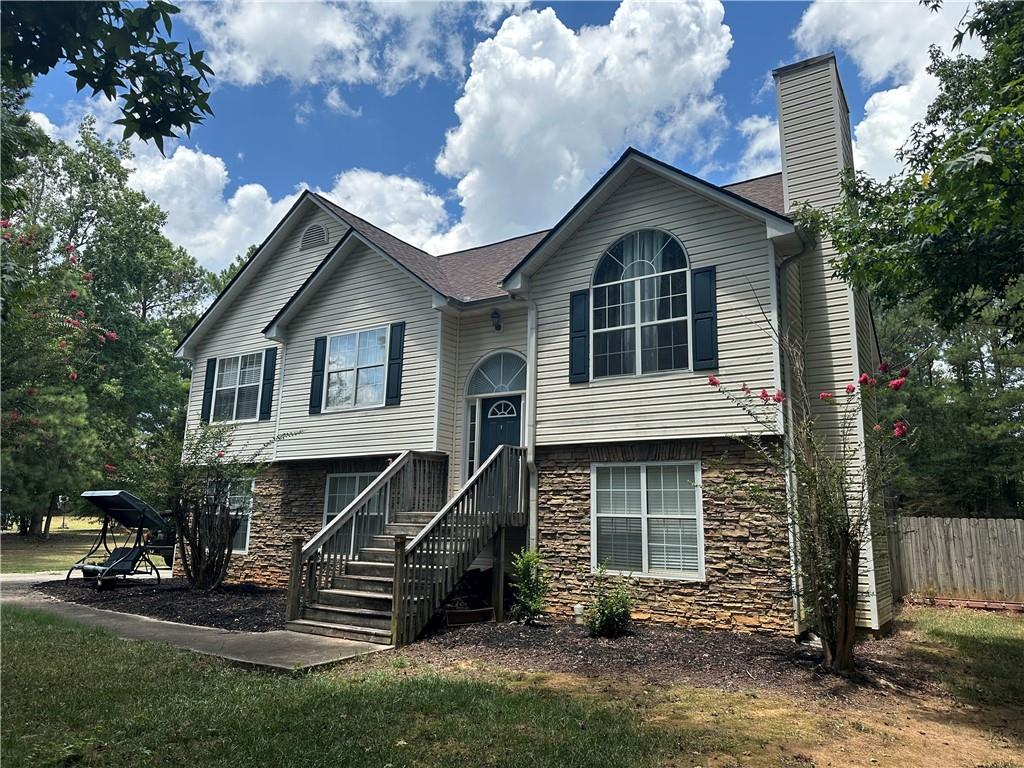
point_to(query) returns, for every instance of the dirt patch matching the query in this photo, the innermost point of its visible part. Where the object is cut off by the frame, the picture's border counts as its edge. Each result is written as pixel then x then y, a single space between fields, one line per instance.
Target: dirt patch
pixel 243 607
pixel 672 656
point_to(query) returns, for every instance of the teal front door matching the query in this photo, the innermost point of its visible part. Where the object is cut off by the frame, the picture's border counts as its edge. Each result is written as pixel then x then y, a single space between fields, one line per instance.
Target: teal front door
pixel 500 424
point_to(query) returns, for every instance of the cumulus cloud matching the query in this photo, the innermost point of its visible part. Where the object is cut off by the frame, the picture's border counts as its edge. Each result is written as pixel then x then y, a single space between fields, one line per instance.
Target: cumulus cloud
pixel 336 103
pixel 545 109
pixel 761 155
pixel 889 44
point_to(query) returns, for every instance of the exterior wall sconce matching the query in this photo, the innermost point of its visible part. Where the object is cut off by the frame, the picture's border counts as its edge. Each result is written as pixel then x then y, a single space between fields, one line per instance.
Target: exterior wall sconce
pixel 496 320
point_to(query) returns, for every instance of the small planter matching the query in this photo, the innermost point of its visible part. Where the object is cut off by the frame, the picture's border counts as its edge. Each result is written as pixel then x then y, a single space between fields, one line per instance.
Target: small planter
pixel 455 617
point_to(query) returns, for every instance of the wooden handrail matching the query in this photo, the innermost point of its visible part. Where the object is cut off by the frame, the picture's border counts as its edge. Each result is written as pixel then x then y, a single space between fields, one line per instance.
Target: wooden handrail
pixel 314 544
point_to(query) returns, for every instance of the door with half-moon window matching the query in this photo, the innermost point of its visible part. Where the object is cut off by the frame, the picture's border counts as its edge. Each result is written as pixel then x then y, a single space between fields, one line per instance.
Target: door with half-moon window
pixel 500 425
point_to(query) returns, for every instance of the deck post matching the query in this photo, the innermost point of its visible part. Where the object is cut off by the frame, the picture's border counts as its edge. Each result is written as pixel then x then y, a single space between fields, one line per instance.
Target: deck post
pixel 397 592
pixel 498 575
pixel 294 580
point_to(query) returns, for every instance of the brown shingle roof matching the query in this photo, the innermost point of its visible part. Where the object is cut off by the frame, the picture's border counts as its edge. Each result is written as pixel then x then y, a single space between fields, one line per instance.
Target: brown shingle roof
pixel 476 273
pixel 766 191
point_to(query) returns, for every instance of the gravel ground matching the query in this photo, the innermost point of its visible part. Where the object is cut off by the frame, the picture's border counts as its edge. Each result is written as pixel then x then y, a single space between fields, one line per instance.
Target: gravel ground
pixel 233 606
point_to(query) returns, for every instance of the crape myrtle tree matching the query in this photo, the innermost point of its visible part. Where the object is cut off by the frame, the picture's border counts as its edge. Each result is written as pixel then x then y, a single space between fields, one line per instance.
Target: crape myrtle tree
pixel 836 489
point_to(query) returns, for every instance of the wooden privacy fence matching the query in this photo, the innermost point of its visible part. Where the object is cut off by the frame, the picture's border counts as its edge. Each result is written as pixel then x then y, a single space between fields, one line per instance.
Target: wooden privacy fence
pixel 961 557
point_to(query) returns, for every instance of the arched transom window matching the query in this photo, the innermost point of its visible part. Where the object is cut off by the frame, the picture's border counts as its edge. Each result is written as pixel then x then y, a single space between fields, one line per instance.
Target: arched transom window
pixel 639 300
pixel 501 372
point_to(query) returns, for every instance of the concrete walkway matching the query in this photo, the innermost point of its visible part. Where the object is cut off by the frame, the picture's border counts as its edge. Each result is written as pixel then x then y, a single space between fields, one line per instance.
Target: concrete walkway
pixel 278 650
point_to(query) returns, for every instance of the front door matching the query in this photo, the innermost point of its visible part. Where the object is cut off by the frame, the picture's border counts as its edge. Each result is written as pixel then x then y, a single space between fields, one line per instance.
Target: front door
pixel 500 423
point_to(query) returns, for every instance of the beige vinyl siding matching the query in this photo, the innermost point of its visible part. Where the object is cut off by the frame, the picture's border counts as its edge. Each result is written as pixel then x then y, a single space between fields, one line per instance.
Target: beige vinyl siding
pixel 815 148
pixel 240 329
pixel 669 404
pixel 364 291
pixel 477 340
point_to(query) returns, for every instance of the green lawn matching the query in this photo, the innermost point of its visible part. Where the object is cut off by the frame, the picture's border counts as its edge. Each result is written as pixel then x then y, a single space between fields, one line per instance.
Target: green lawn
pixel 979 655
pixel 29 554
pixel 132 703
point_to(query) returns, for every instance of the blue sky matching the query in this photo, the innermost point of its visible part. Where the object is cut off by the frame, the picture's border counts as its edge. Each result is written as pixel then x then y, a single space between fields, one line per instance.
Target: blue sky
pixel 359 101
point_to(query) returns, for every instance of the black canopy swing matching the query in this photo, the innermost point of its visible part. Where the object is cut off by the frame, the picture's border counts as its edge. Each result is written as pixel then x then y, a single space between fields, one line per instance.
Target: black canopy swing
pixel 133 556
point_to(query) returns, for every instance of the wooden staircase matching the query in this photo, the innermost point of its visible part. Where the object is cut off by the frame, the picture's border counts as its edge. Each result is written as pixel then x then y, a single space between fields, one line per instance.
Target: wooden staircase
pixel 381 568
pixel 358 603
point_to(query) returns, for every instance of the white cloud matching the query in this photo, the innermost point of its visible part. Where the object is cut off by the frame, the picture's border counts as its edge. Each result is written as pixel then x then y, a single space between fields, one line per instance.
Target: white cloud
pixel 336 103
pixel 889 43
pixel 546 108
pixel 761 156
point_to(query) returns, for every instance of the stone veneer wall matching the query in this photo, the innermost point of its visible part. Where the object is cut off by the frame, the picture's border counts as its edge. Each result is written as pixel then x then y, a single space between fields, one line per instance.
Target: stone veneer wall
pixel 746 550
pixel 288 502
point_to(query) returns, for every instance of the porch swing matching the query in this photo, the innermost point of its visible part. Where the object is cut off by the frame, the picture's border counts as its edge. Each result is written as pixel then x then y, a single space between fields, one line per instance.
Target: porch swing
pixel 132 554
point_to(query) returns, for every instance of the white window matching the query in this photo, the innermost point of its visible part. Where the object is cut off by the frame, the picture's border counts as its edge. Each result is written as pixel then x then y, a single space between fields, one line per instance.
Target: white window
pixel 341 490
pixel 238 497
pixel 236 393
pixel 639 306
pixel 356 364
pixel 647 520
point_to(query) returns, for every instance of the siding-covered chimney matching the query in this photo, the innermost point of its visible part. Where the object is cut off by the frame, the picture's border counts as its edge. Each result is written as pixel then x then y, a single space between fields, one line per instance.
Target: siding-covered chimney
pixel 834 321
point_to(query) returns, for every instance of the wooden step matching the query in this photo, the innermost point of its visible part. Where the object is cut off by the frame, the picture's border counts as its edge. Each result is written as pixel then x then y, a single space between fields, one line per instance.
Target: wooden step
pixel 370 568
pixel 350 598
pixel 353 617
pixel 381 542
pixel 415 518
pixel 365 634
pixel 377 555
pixel 409 529
pixel 364 583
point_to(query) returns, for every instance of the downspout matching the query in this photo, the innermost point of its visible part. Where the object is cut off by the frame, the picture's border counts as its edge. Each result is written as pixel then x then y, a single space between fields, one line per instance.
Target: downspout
pixel 531 415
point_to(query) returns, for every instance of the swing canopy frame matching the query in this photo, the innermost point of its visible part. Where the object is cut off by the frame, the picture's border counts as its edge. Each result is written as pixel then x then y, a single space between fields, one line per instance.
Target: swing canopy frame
pixel 133 554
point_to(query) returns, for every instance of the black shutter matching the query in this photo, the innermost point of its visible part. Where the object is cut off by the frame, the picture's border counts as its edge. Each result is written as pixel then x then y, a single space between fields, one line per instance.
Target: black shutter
pixel 579 336
pixel 396 351
pixel 267 390
pixel 316 382
pixel 211 373
pixel 705 320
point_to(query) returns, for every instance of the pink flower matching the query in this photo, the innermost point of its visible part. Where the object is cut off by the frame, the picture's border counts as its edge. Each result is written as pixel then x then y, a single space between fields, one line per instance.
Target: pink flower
pixel 110 469
pixel 73 375
pixel 87 276
pixel 899 429
pixel 5 223
pixel 112 335
pixel 72 295
pixel 80 313
pixel 220 454
pixel 864 379
pixel 73 259
pixel 826 396
pixel 14 416
pixel 883 367
pixel 7 235
pixel 779 396
pixel 850 389
pixel 765 397
pixel 895 384
pixel 714 380
pixel 745 389
pixel 877 427
pixel 62 343
pixel 904 373
pixel 69 248
pixel 102 338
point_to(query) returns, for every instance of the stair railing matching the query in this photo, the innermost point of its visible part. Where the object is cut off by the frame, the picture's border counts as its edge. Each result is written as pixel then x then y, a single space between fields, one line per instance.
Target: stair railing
pixel 428 567
pixel 413 482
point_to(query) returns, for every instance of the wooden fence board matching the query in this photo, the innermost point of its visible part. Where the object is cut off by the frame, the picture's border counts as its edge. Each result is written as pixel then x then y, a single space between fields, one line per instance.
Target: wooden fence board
pixel 961 557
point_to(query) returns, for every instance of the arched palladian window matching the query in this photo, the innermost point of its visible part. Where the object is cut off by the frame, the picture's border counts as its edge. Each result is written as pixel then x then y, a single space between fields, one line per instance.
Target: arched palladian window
pixel 640 307
pixel 501 372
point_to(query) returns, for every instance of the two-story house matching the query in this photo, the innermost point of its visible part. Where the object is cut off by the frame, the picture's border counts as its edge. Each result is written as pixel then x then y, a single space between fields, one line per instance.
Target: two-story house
pixel 550 391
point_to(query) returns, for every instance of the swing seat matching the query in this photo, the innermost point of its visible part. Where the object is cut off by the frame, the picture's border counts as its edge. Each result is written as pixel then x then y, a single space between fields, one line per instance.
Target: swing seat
pixel 122 561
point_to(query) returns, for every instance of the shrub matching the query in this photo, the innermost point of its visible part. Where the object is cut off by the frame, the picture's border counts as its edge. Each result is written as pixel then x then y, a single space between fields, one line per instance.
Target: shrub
pixel 609 616
pixel 529 586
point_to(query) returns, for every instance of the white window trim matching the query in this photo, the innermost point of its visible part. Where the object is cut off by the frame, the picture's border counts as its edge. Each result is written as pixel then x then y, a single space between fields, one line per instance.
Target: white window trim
pixel 476 401
pixel 637 324
pixel 259 396
pixel 327 370
pixel 700 574
pixel 327 489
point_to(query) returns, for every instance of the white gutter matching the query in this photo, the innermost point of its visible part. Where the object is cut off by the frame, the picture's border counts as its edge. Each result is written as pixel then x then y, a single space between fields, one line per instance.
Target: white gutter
pixel 531 415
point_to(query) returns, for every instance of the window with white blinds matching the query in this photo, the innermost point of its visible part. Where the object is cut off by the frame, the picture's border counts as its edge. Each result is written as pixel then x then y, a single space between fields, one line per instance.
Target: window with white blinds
pixel 646 519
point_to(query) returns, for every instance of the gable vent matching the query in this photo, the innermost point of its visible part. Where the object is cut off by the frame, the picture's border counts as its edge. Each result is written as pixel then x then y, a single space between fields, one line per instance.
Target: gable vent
pixel 314 236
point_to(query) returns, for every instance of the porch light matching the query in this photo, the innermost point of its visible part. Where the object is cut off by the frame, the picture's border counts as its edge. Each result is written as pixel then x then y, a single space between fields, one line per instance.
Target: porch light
pixel 496 320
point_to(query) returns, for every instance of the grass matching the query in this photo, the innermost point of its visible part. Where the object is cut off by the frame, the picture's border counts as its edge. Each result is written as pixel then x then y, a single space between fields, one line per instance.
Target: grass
pixel 978 655
pixel 30 554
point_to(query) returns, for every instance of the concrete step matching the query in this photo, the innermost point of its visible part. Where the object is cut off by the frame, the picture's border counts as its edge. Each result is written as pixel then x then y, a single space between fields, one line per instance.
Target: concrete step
pixel 370 568
pixel 353 617
pixel 415 518
pixel 377 555
pixel 364 583
pixel 409 529
pixel 365 634
pixel 350 598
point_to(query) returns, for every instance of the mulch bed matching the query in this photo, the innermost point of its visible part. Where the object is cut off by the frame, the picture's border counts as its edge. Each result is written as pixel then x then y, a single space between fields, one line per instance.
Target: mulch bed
pixel 243 607
pixel 662 655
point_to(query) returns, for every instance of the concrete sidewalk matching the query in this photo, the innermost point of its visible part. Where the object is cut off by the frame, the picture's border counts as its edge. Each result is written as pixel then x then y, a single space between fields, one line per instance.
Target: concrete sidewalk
pixel 278 650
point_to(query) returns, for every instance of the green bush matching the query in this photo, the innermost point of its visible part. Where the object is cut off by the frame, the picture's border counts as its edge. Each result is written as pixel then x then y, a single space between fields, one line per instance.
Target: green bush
pixel 609 616
pixel 529 586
